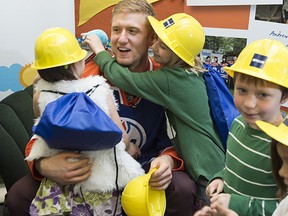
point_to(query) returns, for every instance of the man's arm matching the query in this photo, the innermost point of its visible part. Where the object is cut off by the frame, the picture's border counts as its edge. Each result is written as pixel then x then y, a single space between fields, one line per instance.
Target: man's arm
pixel 166 162
pixel 178 163
pixel 31 164
pixel 60 167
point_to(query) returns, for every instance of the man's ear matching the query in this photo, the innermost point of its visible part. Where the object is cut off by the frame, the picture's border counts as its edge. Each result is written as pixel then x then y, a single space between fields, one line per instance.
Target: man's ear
pixel 154 38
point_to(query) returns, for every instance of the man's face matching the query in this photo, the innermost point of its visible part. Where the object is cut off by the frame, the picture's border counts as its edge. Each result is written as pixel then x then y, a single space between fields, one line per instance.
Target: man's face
pixel 131 37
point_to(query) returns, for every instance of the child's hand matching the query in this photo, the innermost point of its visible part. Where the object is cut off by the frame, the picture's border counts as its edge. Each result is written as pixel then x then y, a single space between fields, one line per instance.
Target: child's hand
pixel 215 210
pixel 206 211
pixel 133 150
pixel 222 211
pixel 222 199
pixel 94 42
pixel 215 187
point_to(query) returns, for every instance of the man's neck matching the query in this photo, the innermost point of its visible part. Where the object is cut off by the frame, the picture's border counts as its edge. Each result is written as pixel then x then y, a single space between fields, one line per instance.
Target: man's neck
pixel 143 67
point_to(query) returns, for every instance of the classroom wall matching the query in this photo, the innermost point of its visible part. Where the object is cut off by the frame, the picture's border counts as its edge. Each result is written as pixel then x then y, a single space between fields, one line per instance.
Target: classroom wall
pixel 22 21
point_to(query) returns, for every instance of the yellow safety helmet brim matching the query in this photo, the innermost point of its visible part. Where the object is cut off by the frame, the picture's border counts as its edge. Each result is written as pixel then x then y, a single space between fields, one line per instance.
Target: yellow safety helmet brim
pixel 139 199
pixel 182 33
pixel 264 59
pixel 279 133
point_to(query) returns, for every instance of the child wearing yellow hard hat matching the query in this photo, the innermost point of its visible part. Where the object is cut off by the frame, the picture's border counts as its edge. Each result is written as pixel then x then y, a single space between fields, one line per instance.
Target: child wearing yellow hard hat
pixel 247 184
pixel 60 63
pixel 279 158
pixel 178 86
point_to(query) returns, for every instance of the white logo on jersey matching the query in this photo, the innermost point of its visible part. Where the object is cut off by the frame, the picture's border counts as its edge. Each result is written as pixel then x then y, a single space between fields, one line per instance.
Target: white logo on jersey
pixel 135 131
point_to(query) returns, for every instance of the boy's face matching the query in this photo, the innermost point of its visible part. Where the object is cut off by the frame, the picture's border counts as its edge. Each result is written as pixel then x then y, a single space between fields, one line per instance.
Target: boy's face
pixel 258 102
pixel 283 154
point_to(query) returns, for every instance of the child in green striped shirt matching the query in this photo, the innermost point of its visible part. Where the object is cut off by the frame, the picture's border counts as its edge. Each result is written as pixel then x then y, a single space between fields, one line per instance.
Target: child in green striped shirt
pixel 246 184
pixel 279 157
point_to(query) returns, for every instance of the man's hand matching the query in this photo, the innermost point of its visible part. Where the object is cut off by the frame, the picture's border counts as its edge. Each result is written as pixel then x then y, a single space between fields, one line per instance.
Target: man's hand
pixel 161 178
pixel 66 168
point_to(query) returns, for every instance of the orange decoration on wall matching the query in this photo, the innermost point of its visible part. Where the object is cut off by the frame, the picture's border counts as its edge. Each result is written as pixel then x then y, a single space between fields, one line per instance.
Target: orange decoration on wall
pixel 232 17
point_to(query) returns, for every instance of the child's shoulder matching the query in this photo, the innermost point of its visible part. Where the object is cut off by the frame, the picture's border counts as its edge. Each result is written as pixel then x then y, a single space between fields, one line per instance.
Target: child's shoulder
pixel 93 80
pixel 238 122
pixel 68 86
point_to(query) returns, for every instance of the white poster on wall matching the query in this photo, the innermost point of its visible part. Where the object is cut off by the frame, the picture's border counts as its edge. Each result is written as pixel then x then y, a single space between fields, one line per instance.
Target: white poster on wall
pixel 21 23
pixel 273 28
pixel 233 2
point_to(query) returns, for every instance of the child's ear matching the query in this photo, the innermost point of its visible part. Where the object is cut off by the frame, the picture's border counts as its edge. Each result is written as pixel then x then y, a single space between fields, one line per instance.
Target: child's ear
pixel 284 99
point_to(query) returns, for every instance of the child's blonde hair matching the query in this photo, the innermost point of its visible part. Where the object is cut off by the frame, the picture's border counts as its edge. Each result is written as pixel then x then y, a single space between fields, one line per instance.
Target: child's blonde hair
pixel 176 61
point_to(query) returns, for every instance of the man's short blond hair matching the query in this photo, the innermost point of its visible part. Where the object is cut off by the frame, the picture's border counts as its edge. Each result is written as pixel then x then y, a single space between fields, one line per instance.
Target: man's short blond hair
pixel 134 6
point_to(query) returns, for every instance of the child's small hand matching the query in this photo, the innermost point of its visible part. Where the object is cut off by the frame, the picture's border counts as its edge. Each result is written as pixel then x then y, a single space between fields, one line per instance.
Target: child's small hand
pixel 215 210
pixel 215 187
pixel 206 211
pixel 222 199
pixel 133 150
pixel 222 211
pixel 94 42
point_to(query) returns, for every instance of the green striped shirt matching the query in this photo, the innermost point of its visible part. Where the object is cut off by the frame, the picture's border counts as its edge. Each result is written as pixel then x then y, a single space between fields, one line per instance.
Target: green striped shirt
pixel 248 175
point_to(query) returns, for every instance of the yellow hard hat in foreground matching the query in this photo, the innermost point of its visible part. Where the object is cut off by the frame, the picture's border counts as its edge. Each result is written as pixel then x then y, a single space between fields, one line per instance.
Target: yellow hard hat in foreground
pixel 265 59
pixel 279 133
pixel 57 47
pixel 139 199
pixel 182 33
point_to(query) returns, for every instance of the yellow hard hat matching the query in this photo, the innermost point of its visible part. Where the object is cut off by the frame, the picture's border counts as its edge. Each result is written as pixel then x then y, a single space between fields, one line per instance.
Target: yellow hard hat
pixel 279 133
pixel 265 59
pixel 182 33
pixel 139 199
pixel 56 47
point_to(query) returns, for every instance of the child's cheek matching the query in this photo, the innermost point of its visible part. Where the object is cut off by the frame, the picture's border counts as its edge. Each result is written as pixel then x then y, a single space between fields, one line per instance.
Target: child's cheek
pixel 237 102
